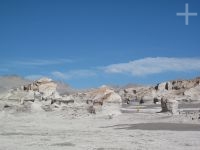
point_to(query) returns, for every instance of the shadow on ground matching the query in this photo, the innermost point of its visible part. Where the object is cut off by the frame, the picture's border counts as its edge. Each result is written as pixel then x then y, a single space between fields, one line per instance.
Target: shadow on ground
pixel 157 126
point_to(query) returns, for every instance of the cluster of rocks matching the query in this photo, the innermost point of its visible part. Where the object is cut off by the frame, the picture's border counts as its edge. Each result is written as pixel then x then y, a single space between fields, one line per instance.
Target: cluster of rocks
pixel 43 95
pixel 137 94
pixel 168 94
pixel 104 99
pixel 36 95
pixel 39 90
pixel 177 91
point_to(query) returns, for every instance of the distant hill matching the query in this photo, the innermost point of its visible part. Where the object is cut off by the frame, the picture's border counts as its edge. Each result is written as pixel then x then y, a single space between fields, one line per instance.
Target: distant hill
pixel 11 81
pixel 64 89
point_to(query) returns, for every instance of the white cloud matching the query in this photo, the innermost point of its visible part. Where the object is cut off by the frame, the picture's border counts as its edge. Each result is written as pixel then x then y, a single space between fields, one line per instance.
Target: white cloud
pixel 155 65
pixel 83 73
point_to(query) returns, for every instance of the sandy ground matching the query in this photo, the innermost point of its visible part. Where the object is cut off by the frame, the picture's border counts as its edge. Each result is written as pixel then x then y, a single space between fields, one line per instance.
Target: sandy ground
pixel 141 130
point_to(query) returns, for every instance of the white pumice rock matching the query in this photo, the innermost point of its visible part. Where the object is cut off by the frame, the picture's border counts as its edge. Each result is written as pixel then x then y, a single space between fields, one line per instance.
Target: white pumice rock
pixel 169 105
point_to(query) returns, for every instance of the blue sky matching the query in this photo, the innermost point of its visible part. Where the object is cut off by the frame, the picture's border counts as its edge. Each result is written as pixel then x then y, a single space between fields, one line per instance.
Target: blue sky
pixel 87 43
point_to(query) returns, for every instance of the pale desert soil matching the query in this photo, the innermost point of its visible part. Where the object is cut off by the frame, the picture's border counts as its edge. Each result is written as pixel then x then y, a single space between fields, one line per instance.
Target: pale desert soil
pixel 128 131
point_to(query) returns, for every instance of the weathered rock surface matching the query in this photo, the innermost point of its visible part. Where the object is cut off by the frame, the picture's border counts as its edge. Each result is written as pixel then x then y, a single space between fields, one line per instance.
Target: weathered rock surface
pixel 169 105
pixel 43 93
pixel 173 92
pixel 137 93
pixel 44 86
pixel 104 94
pixel 193 93
pixel 104 100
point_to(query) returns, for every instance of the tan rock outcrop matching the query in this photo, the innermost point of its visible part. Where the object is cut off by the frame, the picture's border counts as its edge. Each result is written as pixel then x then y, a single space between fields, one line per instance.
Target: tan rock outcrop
pixel 44 86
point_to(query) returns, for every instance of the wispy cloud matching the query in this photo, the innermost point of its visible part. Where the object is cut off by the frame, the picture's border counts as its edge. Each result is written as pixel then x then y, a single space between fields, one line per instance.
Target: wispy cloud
pixel 34 77
pixel 43 62
pixel 83 73
pixel 10 65
pixel 59 75
pixel 155 65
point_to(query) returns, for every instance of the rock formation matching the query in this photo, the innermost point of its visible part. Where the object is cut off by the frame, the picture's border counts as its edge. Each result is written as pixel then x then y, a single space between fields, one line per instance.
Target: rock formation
pixel 169 105
pixel 40 93
pixel 137 94
pixel 104 100
pixel 45 86
pixel 43 95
